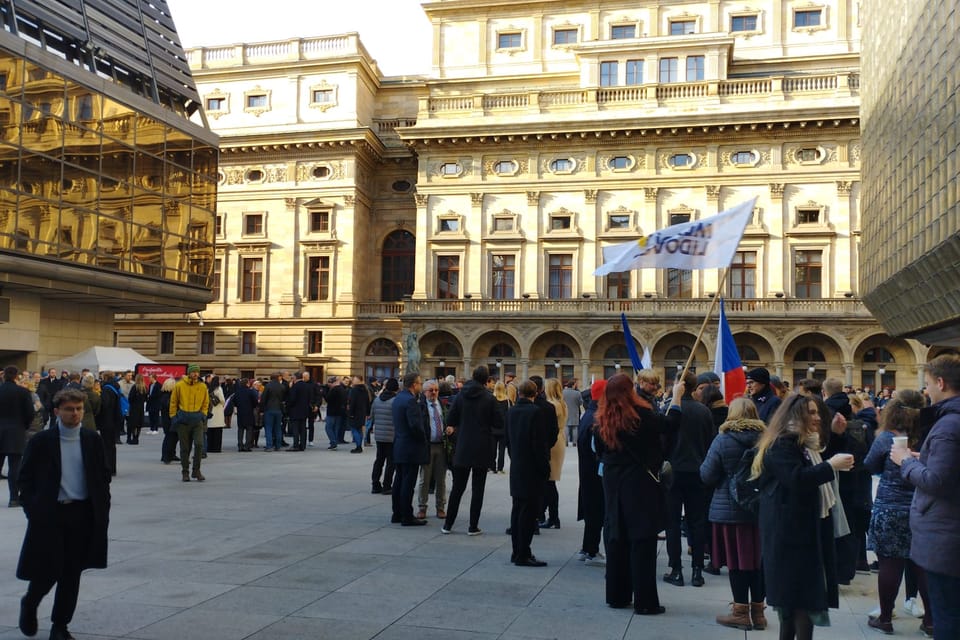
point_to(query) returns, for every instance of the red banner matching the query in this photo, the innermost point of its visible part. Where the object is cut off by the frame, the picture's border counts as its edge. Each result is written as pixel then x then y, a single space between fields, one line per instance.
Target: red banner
pixel 161 371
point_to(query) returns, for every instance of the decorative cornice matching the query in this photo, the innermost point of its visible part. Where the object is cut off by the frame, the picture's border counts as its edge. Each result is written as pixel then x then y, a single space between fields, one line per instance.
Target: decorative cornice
pixel 844 187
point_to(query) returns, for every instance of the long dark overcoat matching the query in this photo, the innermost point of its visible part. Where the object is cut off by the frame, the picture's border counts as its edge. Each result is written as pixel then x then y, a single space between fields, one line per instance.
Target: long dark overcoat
pixel 16 416
pixel 411 442
pixel 475 415
pixel 41 556
pixel 799 558
pixel 529 452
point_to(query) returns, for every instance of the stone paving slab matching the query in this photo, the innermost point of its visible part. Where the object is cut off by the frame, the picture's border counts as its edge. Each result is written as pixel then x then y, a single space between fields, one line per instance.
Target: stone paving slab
pixel 277 546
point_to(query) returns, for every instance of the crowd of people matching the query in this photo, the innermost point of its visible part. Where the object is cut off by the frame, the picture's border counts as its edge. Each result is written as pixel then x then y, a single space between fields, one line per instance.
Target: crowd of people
pixel 776 486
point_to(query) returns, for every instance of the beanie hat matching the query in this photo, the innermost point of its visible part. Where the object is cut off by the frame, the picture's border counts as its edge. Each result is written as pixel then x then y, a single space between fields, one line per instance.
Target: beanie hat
pixel 708 377
pixel 391 385
pixel 597 389
pixel 760 375
pixel 193 367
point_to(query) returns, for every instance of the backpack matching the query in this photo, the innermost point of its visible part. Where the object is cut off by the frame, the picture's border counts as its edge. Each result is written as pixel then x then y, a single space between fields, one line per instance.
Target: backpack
pixel 124 401
pixel 744 492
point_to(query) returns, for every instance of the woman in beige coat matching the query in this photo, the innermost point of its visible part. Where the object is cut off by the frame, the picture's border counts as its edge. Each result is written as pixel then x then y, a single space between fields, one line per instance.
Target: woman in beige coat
pixel 553 391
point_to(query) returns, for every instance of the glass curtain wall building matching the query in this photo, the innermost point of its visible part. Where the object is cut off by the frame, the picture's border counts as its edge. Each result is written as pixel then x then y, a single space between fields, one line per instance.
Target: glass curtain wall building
pixel 107 174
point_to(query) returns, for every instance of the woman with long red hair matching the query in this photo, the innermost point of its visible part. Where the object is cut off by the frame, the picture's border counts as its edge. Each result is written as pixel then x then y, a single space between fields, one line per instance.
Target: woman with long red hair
pixel 631 449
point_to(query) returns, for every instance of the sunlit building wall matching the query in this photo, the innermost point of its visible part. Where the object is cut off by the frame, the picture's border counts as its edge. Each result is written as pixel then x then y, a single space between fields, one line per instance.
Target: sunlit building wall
pixel 108 189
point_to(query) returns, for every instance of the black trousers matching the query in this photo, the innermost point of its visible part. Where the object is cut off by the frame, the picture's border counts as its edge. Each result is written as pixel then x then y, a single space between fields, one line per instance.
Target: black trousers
pixel 13 470
pixel 685 497
pixel 168 449
pixel 460 475
pixel 298 429
pixel 523 522
pixel 384 459
pixel 76 522
pixel 550 507
pixel 499 451
pixel 632 571
pixel 310 428
pixel 403 486
pixel 110 437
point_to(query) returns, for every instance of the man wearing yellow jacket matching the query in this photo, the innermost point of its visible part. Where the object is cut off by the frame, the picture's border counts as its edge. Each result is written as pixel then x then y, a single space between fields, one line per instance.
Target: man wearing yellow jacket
pixel 189 404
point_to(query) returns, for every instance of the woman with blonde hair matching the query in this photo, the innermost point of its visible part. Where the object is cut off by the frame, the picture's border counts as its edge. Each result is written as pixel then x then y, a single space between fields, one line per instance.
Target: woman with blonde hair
pixel 137 398
pixel 91 406
pixel 796 523
pixel 553 392
pixel 736 535
pixel 500 434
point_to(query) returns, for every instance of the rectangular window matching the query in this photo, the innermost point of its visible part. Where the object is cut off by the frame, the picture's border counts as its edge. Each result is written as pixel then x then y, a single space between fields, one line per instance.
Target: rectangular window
pixel 218 225
pixel 559 223
pixel 623 31
pixel 509 40
pixel 808 216
pixel 682 27
pixel 668 70
pixel 319 221
pixel 634 71
pixel 679 218
pixel 743 275
pixel 695 68
pixel 253 224
pixel 503 269
pixel 318 278
pixel 248 343
pixel 207 343
pixel 217 277
pixel 808 274
pixel 448 276
pixel 618 285
pixel 807 18
pixel 315 342
pixel 743 23
pixel 503 224
pixel 252 280
pixel 560 276
pixel 679 283
pixel 84 107
pixel 564 36
pixel 322 95
pixel 166 343
pixel 218 104
pixel 608 74
pixel 619 221
pixel 3 82
pixel 449 224
pixel 257 101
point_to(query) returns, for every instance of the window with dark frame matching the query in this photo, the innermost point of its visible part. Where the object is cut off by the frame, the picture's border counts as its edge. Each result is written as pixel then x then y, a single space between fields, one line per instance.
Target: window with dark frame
pixel 809 154
pixel 561 165
pixel 634 72
pixel 450 169
pixel 84 107
pixel 217 277
pixel 808 274
pixel 669 70
pixel 216 104
pixel 256 100
pixel 565 36
pixel 560 223
pixel 509 40
pixel 504 167
pixel 503 223
pixel 322 95
pixel 450 224
pixel 743 23
pixel 608 73
pixel 560 276
pixel 251 288
pixel 397 265
pixel 207 343
pixel 166 343
pixel 253 224
pixel 678 160
pixel 808 215
pixel 618 221
pixel 679 283
pixel 314 341
pixel 807 18
pixel 618 285
pixel 623 31
pixel 319 221
pixel 318 278
pixel 742 157
pixel 742 278
pixel 683 27
pixel 448 276
pixel 248 343
pixel 502 273
pixel 696 66
pixel 218 225
pixel 679 218
pixel 619 162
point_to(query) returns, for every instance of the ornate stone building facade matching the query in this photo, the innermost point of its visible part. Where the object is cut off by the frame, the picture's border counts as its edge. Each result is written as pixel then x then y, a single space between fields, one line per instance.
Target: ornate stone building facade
pixel 471 207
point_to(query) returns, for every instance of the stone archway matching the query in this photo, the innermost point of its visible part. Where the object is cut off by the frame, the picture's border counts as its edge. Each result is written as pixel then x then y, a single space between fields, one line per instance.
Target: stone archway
pixel 442 355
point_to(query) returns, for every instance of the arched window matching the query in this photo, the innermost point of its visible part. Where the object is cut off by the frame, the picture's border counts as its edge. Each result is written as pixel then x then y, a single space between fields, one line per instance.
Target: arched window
pixel 674 360
pixel 399 251
pixel 381 347
pixel 878 354
pixel 502 350
pixel 559 351
pixel 809 354
pixel 809 362
pixel 446 350
pixel 616 359
pixel 553 367
pixel 748 353
pixel 383 359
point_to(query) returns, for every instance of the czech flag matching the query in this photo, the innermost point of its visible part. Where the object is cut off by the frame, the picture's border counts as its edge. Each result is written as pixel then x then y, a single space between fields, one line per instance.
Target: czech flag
pixel 733 380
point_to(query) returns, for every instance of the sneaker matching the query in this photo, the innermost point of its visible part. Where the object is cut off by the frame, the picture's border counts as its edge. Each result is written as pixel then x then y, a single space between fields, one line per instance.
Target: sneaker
pixel 474 532
pixel 310 444
pixel 445 531
pixel 913 607
pixel 582 555
pixel 595 561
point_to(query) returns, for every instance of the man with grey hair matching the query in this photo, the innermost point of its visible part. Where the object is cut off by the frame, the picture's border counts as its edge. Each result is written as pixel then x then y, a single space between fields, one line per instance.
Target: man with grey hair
pixel 436 466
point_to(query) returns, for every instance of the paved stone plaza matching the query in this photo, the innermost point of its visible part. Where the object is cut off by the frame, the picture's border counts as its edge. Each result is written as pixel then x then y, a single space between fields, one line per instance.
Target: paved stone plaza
pixel 277 546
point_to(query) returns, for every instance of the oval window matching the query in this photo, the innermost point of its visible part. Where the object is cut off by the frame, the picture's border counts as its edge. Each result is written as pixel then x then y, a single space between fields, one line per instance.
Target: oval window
pixel 678 160
pixel 505 167
pixel 321 172
pixel 450 169
pixel 809 154
pixel 401 186
pixel 620 162
pixel 742 157
pixel 561 165
pixel 254 175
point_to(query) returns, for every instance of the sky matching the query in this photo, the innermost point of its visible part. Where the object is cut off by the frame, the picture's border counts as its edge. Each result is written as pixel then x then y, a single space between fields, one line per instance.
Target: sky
pixel 395 32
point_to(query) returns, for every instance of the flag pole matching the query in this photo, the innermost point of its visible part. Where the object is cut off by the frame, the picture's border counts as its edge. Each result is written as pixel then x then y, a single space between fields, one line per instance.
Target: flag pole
pixel 713 306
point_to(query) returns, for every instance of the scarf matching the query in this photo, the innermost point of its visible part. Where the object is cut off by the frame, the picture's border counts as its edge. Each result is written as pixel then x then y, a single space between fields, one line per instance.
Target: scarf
pixel 828 497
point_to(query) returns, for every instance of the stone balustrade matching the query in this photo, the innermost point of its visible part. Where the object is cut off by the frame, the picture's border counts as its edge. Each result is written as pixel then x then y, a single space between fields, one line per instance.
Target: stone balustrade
pixel 295 49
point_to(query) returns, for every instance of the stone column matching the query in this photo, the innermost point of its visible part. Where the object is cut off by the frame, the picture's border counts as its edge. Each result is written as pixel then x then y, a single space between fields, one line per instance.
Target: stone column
pixel 848 373
pixel 584 372
pixel 420 280
pixel 524 372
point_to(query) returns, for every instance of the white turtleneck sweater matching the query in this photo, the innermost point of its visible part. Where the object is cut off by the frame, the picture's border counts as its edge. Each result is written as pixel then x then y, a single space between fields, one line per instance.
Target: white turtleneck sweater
pixel 73 482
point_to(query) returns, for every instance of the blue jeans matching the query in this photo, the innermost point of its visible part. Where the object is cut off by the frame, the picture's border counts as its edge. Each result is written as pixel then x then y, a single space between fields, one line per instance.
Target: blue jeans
pixel 332 427
pixel 357 436
pixel 273 428
pixel 945 601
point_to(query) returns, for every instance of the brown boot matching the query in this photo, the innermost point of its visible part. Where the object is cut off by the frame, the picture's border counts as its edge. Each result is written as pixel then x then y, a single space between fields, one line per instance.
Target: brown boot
pixel 739 618
pixel 198 475
pixel 756 614
pixel 186 476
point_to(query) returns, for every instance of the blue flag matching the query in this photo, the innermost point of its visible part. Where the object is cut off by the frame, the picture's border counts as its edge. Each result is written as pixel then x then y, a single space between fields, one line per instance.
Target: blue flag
pixel 631 348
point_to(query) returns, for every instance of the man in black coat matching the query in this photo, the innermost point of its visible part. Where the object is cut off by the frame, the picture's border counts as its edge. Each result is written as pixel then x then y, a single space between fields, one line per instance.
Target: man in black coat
pixel 529 471
pixel 243 402
pixel 336 398
pixel 410 449
pixel 110 418
pixel 153 404
pixel 16 416
pixel 299 406
pixel 358 410
pixel 65 492
pixel 46 389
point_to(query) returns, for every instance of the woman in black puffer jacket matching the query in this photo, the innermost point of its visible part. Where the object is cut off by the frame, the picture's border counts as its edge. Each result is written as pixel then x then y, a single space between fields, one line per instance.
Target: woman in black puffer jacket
pixel 736 536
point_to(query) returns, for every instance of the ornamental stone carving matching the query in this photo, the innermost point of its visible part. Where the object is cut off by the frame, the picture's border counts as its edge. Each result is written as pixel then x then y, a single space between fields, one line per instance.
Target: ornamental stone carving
pixel 590 196
pixel 421 199
pixel 533 198
pixel 476 199
pixel 776 190
pixel 651 192
pixel 713 192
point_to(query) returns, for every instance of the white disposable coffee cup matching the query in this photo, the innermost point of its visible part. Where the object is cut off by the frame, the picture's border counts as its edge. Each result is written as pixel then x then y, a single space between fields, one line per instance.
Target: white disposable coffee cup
pixel 900 442
pixel 849 456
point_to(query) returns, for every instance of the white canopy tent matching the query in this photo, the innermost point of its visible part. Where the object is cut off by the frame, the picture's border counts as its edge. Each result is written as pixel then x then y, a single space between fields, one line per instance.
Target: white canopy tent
pixel 99 359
